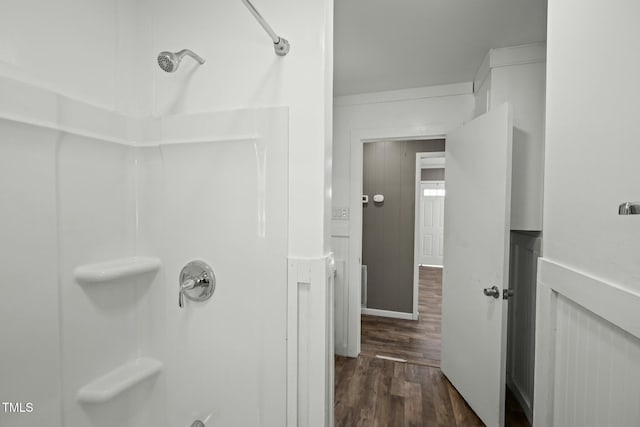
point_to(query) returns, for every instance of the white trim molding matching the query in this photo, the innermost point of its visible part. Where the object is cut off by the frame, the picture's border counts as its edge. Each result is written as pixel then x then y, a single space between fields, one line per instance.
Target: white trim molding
pixel 432 160
pixel 404 94
pixel 358 139
pixel 310 345
pixel 506 56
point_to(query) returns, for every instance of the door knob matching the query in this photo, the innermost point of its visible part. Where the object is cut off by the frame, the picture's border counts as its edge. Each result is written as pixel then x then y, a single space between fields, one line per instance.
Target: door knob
pixel 197 282
pixel 629 208
pixel 492 292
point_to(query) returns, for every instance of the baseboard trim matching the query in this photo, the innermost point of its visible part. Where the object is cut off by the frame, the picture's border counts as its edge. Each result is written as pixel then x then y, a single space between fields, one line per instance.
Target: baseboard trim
pixel 519 395
pixel 387 313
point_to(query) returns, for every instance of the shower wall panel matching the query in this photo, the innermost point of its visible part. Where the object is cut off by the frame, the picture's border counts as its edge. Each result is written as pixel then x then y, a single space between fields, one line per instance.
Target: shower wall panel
pixel 29 312
pixel 102 325
pixel 223 199
pixel 82 185
pixel 67 175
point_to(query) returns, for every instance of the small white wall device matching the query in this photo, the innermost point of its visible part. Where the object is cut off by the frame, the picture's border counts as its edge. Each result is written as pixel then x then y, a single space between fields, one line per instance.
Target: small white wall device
pixel 378 198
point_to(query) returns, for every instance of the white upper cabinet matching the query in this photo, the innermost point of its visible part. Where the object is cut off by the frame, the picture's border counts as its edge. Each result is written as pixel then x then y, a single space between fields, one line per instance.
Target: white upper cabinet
pixel 517 75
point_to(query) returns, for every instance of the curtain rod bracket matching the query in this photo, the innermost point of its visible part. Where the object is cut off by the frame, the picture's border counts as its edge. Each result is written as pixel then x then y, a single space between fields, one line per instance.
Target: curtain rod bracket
pixel 280 44
pixel 282 47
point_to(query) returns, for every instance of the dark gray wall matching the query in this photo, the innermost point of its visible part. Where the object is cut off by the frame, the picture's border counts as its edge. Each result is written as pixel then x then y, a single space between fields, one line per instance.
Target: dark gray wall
pixel 432 174
pixel 387 228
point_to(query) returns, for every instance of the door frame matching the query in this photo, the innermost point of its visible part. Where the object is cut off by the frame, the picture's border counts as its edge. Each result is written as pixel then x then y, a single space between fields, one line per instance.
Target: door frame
pixel 357 140
pixel 436 160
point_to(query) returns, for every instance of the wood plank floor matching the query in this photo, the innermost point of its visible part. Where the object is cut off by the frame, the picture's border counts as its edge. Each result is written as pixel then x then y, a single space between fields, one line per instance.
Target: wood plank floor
pixel 418 342
pixel 373 392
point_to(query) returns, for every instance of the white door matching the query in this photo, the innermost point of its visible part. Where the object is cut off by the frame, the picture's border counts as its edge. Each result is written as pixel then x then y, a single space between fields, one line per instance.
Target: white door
pixel 476 256
pixel 431 222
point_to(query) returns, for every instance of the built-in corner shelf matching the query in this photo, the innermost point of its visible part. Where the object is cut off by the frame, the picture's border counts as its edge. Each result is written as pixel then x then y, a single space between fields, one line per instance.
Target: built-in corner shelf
pixel 119 380
pixel 115 269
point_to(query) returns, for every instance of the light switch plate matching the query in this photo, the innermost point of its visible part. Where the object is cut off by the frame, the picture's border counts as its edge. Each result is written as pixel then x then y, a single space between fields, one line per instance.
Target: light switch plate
pixel 340 213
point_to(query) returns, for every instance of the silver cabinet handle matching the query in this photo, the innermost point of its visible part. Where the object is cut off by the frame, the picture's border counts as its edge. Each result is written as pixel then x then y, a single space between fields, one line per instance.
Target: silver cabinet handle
pixel 629 208
pixel 197 282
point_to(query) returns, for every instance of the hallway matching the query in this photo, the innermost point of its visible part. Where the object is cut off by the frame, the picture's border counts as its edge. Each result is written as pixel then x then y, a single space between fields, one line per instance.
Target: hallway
pixel 374 392
pixel 417 342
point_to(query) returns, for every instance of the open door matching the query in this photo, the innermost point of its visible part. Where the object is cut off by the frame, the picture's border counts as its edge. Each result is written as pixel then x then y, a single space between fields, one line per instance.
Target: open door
pixel 476 261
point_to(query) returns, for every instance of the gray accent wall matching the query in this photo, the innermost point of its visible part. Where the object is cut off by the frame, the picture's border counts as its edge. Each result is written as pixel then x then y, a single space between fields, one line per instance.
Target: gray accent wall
pixel 388 227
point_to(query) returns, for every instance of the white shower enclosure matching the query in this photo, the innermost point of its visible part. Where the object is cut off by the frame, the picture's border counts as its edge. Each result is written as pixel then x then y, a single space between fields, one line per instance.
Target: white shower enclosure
pixel 100 212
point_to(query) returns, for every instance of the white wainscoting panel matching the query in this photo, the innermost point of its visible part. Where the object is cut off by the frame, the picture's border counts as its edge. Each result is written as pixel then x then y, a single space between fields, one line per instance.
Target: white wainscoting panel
pixel 310 359
pixel 597 370
pixel 588 351
pixel 341 332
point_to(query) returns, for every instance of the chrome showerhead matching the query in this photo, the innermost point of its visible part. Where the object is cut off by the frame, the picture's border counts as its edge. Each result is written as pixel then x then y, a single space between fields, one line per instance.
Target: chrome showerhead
pixel 170 61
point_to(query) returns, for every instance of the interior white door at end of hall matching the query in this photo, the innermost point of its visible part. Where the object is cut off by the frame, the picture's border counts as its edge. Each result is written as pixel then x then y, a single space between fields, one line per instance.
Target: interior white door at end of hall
pixel 432 194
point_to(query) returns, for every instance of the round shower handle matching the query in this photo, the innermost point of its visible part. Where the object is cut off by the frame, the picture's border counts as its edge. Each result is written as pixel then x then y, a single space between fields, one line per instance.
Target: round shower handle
pixel 197 282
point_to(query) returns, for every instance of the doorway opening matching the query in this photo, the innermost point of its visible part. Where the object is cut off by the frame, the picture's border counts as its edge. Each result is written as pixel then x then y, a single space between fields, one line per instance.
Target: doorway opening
pixel 402 226
pixel 386 334
pixel 429 215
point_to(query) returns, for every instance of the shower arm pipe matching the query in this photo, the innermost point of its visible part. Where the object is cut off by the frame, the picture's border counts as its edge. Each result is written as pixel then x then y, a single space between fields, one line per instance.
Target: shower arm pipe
pixel 280 44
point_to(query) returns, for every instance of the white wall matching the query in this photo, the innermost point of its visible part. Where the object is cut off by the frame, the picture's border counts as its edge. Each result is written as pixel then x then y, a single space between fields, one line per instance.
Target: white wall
pixel 242 70
pixel 589 127
pixel 86 50
pixel 440 107
pixel 589 284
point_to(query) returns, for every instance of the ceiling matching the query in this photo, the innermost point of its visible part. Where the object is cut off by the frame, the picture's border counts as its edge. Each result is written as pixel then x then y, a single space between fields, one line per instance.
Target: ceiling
pixel 397 44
